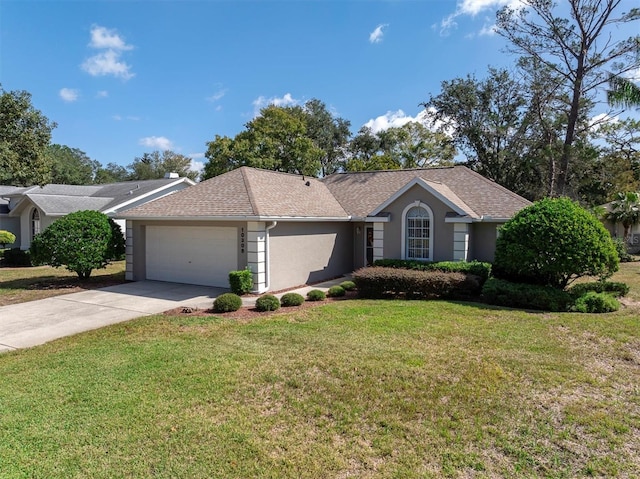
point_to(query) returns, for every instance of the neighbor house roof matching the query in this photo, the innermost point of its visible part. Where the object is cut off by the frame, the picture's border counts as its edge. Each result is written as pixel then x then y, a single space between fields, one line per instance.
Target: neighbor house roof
pixel 59 200
pixel 247 193
pixel 254 193
pixel 362 193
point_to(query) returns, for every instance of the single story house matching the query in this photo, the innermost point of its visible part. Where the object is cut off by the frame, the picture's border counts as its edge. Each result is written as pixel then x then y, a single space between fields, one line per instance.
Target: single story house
pixel 292 230
pixel 26 211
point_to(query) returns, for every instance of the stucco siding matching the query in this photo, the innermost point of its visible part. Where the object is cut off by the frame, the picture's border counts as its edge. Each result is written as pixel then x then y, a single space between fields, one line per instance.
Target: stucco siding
pixel 441 232
pixel 303 253
pixel 483 241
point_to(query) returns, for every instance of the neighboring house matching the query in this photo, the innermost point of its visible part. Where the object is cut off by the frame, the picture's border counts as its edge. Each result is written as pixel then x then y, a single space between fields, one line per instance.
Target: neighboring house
pixel 26 211
pixel 616 229
pixel 292 230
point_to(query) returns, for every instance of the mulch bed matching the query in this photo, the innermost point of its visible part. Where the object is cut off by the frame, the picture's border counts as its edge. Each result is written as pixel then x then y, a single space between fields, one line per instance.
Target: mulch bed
pixel 248 313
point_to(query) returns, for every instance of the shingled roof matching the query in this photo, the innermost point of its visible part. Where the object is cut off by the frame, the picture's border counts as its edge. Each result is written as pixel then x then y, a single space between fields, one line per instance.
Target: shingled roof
pixel 247 193
pixel 361 193
pixel 253 193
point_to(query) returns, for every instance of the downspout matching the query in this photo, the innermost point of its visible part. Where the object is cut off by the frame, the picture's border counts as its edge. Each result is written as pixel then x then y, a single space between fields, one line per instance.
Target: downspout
pixel 267 269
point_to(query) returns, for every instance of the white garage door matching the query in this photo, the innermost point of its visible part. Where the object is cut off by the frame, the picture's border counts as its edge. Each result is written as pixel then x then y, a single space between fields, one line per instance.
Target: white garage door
pixel 191 254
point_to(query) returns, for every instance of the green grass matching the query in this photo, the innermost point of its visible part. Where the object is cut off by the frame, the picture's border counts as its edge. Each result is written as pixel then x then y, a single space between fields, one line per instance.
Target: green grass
pixel 351 389
pixel 18 285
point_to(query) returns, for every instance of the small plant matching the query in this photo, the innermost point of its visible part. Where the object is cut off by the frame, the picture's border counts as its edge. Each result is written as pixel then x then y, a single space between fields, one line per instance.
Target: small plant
pixel 267 302
pixel 316 295
pixel 291 299
pixel 592 302
pixel 241 282
pixel 6 237
pixel 17 257
pixel 348 285
pixel 336 291
pixel 227 302
pixel 621 248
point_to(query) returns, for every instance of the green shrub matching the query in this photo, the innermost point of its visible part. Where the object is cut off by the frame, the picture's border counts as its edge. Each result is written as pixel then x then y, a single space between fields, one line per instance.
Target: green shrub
pixel 267 302
pixel 592 302
pixel 81 241
pixel 241 282
pixel 17 257
pixel 316 295
pixel 476 268
pixel 6 237
pixel 379 282
pixel 552 242
pixel 615 289
pixel 621 249
pixel 348 285
pixel 529 296
pixel 336 291
pixel 291 299
pixel 227 302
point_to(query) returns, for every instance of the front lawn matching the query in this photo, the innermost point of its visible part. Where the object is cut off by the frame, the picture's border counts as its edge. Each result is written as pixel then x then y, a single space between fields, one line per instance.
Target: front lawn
pixel 18 285
pixel 350 389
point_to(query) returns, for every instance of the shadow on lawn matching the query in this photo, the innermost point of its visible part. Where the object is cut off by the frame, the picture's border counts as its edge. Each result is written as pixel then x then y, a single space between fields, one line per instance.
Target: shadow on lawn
pixel 52 282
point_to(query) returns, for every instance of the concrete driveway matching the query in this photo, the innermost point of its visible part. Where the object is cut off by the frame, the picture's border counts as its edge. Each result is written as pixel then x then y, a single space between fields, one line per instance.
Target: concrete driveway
pixel 36 322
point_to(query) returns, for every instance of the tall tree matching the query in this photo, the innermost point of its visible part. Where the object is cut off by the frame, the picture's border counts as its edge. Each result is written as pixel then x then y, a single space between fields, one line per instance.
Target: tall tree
pixel 623 92
pixel 155 165
pixel 579 49
pixel 71 166
pixel 328 133
pixel 25 134
pixel 112 173
pixel 491 121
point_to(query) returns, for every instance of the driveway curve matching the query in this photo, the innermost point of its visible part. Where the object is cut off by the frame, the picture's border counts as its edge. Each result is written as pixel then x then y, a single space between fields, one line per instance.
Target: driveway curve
pixel 37 322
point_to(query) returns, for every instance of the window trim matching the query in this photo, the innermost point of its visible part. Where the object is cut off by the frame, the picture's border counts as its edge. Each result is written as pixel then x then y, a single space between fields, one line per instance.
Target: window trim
pixel 403 251
pixel 36 225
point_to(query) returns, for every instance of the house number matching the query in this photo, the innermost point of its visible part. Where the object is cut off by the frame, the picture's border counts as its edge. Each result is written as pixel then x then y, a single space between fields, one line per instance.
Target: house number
pixel 242 240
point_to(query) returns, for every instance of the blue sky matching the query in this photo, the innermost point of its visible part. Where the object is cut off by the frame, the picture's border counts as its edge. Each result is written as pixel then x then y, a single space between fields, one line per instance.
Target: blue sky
pixel 121 78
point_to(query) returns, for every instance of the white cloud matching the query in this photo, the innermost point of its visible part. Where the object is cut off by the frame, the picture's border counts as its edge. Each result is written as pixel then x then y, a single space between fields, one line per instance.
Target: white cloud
pixel 396 119
pixel 102 94
pixel 218 95
pixel 633 75
pixel 106 38
pixel 157 142
pixel 69 94
pixel 601 119
pixel 473 8
pixel 109 60
pixel 107 63
pixel 261 102
pixel 377 35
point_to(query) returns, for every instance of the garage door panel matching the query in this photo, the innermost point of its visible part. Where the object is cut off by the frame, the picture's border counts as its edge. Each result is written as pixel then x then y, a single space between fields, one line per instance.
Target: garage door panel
pixel 193 254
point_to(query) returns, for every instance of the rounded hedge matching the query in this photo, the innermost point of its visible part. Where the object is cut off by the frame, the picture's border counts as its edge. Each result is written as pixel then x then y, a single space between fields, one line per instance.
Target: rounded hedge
pixel 291 299
pixel 552 242
pixel 267 302
pixel 316 295
pixel 592 302
pixel 227 302
pixel 336 291
pixel 348 285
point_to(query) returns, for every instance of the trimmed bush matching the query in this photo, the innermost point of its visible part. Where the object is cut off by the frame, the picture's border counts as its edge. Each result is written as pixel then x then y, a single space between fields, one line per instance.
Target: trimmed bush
pixel 529 296
pixel 6 237
pixel 476 268
pixel 17 257
pixel 267 302
pixel 378 282
pixel 615 289
pixel 592 302
pixel 336 291
pixel 348 285
pixel 316 295
pixel 227 302
pixel 552 242
pixel 241 282
pixel 80 241
pixel 291 299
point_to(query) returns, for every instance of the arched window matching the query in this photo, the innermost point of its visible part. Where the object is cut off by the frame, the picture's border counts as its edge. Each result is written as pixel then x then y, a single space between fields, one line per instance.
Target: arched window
pixel 417 232
pixel 35 223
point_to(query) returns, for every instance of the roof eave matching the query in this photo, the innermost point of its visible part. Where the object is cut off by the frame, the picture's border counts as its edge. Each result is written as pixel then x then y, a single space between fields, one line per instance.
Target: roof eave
pixel 236 218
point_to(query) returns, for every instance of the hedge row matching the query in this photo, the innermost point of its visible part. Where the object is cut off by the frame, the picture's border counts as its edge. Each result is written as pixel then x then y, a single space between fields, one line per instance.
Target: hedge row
pixel 476 268
pixel 380 282
pixel 528 296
